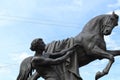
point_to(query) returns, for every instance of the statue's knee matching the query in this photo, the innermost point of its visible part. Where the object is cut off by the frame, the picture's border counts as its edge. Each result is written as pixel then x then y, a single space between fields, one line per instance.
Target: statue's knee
pixel 112 58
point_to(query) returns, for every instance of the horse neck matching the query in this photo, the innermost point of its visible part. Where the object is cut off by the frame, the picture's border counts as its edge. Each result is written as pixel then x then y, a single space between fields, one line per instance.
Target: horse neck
pixel 93 27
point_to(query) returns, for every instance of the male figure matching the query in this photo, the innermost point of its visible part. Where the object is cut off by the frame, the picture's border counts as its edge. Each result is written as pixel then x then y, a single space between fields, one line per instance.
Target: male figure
pixel 44 62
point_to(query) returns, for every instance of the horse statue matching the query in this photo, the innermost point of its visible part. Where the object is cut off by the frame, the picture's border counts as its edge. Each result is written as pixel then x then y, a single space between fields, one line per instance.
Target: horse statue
pixel 92 47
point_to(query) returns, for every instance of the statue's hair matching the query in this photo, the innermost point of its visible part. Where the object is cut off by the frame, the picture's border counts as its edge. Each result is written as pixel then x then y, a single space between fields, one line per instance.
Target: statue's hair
pixel 36 41
pixel 36 44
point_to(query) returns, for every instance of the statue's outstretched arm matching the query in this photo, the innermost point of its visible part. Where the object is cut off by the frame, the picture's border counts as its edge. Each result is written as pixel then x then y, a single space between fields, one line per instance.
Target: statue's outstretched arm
pixel 63 52
pixel 42 61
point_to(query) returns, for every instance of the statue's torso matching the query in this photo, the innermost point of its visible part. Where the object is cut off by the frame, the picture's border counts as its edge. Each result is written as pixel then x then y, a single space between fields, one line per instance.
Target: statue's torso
pixel 47 72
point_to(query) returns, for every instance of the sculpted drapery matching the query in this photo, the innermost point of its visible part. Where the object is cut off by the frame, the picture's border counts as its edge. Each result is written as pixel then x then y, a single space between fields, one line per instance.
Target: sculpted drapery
pixel 69 70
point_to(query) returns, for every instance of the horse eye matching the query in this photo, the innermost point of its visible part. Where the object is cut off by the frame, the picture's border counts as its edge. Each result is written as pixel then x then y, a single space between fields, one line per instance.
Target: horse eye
pixel 111 19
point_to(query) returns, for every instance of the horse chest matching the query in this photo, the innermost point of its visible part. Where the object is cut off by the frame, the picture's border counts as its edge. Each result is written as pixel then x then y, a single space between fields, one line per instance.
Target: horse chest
pixel 98 41
pixel 91 40
pixel 101 43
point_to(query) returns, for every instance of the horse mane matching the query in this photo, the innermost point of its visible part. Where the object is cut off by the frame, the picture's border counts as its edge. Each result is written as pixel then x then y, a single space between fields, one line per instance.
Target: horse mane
pixel 95 22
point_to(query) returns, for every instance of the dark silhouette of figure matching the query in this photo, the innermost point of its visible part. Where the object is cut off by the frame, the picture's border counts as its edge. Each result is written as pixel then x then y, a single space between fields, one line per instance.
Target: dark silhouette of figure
pixel 92 46
pixel 43 62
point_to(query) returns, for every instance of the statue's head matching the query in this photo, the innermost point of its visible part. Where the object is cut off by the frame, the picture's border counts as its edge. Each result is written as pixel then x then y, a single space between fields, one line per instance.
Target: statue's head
pixel 109 22
pixel 37 44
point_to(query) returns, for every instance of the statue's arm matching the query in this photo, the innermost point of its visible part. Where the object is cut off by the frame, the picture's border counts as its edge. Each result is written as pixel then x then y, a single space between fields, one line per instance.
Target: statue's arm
pixel 38 61
pixel 58 60
pixel 63 52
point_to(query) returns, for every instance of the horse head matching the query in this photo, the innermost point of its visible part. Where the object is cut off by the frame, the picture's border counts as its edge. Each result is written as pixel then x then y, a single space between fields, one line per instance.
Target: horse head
pixel 109 22
pixel 102 24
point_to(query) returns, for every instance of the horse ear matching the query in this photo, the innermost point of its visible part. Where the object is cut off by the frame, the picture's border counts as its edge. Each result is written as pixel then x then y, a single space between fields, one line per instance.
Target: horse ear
pixel 115 15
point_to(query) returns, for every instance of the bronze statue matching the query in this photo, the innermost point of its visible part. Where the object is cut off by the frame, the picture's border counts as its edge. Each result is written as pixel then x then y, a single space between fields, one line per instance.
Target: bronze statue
pixel 42 62
pixel 92 46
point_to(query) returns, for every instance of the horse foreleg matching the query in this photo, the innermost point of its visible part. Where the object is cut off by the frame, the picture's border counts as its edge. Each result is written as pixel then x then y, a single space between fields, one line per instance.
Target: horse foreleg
pixel 105 71
pixel 114 52
pixel 100 54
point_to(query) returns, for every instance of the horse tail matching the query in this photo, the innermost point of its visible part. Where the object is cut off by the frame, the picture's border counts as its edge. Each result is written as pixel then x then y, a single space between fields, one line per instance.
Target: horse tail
pixel 25 69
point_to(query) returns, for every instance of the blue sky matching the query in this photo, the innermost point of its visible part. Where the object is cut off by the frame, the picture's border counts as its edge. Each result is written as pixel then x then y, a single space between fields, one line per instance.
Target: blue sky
pixel 21 21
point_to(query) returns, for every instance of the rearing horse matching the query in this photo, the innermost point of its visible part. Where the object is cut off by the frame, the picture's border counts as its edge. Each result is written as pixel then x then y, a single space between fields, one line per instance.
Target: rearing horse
pixel 92 40
pixel 93 47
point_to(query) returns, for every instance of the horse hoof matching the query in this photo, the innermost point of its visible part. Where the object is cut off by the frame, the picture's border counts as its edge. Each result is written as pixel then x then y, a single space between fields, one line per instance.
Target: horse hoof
pixel 98 75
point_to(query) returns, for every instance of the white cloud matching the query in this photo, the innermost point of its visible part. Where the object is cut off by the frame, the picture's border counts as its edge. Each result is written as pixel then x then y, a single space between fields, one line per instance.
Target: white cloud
pixel 116 5
pixel 19 57
pixel 77 2
pixel 111 43
pixel 71 5
pixel 99 62
pixel 3 21
pixel 15 8
pixel 4 69
pixel 117 12
pixel 11 69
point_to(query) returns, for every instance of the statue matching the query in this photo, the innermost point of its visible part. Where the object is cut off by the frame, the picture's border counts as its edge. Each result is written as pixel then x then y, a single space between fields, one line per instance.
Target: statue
pixel 42 62
pixel 92 46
